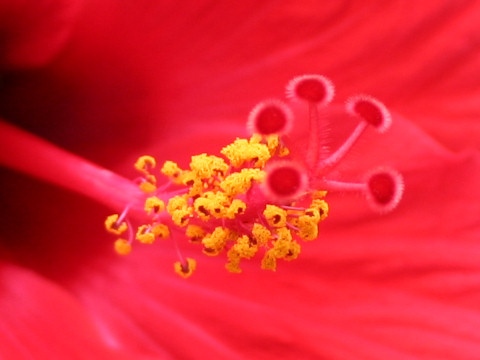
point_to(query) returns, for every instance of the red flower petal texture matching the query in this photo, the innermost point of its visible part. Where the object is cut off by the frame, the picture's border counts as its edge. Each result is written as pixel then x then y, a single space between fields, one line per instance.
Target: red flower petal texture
pixel 176 80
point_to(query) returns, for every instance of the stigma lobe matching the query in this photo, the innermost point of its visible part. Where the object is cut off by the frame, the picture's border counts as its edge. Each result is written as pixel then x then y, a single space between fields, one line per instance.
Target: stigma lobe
pixel 384 189
pixel 270 117
pixel 313 89
pixel 285 180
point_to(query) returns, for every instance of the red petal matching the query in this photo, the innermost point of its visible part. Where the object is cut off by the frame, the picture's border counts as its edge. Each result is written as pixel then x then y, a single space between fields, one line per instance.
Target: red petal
pixel 41 320
pixel 370 287
pixel 33 32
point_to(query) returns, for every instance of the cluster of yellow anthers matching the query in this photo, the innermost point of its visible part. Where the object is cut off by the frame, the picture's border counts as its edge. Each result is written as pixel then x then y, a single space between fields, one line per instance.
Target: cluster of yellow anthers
pixel 218 207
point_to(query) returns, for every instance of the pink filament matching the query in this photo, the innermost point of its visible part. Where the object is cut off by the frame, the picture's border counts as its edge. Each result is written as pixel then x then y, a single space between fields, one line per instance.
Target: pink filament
pixel 313 147
pixel 340 153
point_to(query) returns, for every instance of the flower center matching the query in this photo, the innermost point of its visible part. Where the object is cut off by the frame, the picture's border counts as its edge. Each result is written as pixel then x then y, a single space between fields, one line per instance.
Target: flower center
pixel 256 197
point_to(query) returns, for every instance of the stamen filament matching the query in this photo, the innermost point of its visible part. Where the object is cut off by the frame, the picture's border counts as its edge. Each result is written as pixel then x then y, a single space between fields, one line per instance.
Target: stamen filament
pixel 334 185
pixel 164 187
pixel 123 214
pixel 313 147
pixel 340 153
pixel 131 235
pixel 292 207
pixel 179 253
pixel 291 227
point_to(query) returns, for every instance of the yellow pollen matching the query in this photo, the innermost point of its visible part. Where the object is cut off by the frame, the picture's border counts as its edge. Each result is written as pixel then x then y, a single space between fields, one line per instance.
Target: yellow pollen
pixel 202 206
pixel 154 205
pixel 255 139
pixel 187 270
pixel 145 163
pixel 269 261
pixel 272 144
pixel 241 182
pixel 283 151
pixel 218 202
pixel 171 170
pixel 319 194
pixel 147 187
pixel 241 151
pixel 178 202
pixel 205 166
pixel 276 216
pixel 145 235
pixel 190 179
pixel 321 206
pixel 284 247
pixel 181 217
pixel 161 231
pixel 244 247
pixel 122 247
pixel 215 242
pixel 195 233
pixel 112 226
pixel 237 207
pixel 261 234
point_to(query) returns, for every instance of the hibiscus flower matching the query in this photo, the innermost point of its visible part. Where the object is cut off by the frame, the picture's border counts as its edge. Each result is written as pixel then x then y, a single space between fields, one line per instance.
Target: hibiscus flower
pixel 121 80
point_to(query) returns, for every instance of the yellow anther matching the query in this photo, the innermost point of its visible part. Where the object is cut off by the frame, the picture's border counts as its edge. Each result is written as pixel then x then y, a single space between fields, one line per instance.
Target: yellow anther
pixel 233 265
pixel 202 206
pixel 197 189
pixel 215 242
pixel 193 181
pixel 245 248
pixel 161 231
pixel 321 206
pixel 113 227
pixel 205 166
pixel 319 194
pixel 261 234
pixel 177 203
pixel 154 205
pixel 237 207
pixel 217 192
pixel 233 262
pixel 282 151
pixel 284 247
pixel 269 261
pixel 281 245
pixel 147 187
pixel 181 217
pixel 241 150
pixel 293 251
pixel 219 204
pixel 185 270
pixel 144 234
pixel 241 182
pixel 145 163
pixel 284 234
pixel 172 171
pixel 307 227
pixel 195 233
pixel 189 178
pixel 272 143
pixel 312 213
pixel 275 216
pixel 122 247
pixel 255 139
